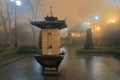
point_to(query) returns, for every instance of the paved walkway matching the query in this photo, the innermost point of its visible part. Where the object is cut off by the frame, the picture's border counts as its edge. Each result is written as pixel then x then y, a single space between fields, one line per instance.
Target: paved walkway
pixel 73 68
pixel 91 67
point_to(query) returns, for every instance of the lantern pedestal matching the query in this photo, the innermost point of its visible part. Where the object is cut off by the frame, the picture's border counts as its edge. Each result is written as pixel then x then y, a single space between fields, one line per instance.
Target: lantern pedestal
pixel 50 63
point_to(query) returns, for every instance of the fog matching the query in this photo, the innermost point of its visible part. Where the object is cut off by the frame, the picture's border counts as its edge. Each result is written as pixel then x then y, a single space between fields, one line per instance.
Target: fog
pixel 76 13
pixel 78 10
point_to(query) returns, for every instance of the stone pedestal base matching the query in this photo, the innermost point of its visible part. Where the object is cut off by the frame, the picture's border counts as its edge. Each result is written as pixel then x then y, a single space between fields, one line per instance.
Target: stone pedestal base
pixel 51 70
pixel 49 63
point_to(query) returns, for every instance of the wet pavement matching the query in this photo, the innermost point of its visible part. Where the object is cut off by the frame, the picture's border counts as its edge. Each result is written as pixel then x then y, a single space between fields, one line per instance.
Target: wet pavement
pixel 73 68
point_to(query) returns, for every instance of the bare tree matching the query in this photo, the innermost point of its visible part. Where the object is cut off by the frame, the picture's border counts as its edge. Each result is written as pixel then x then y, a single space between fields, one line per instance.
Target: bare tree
pixel 6 23
pixel 34 10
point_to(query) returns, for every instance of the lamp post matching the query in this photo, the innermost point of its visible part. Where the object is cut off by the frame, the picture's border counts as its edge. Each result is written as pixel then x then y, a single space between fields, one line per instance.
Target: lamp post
pixel 15 4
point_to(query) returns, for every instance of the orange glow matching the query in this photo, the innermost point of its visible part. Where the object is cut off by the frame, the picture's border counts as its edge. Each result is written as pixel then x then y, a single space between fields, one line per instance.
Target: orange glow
pixel 112 19
pixel 98 28
pixel 75 34
pixel 75 11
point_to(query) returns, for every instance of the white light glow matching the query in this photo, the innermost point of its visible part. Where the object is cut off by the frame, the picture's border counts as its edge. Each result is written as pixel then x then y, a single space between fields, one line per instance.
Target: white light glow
pixel 96 17
pixel 18 2
pixel 11 0
pixel 86 23
pixel 98 28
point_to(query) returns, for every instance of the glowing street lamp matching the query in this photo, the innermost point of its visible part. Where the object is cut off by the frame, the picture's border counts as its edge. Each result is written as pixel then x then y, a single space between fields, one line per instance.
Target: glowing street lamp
pixel 86 23
pixel 16 3
pixel 91 25
pixel 11 0
pixel 96 17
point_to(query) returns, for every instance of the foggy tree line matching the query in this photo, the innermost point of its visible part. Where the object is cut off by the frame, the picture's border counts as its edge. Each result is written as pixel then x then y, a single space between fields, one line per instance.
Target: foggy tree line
pixel 26 33
pixel 111 35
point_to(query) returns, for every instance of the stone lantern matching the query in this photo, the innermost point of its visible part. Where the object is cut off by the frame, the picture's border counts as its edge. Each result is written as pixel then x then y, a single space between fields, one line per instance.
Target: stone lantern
pixel 50 28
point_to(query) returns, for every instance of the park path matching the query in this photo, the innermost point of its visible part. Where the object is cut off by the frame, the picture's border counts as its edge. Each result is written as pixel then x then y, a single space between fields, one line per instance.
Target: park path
pixel 74 67
pixel 91 67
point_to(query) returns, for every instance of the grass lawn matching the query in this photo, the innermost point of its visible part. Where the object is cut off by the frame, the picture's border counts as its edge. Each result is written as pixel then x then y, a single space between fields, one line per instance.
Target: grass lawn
pixel 7 52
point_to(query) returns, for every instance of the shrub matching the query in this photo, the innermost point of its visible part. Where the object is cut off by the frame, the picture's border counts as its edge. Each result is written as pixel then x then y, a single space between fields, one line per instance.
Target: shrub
pixel 95 51
pixel 9 52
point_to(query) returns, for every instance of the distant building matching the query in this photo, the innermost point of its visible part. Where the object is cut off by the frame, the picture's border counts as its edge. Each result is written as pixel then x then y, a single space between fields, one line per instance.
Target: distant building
pixel 77 35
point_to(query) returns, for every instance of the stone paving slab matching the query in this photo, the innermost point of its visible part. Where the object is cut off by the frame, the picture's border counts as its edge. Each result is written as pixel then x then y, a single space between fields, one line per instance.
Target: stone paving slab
pixel 73 68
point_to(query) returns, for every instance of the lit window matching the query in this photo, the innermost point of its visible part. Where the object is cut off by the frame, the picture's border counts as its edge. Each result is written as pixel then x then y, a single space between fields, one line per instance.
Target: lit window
pixel 73 34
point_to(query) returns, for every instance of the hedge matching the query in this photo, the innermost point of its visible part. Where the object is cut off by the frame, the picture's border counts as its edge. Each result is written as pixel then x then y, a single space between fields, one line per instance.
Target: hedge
pixel 5 53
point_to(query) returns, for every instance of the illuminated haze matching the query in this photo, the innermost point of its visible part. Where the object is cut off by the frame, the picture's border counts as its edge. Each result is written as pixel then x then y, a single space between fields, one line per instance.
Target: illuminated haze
pixel 75 11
